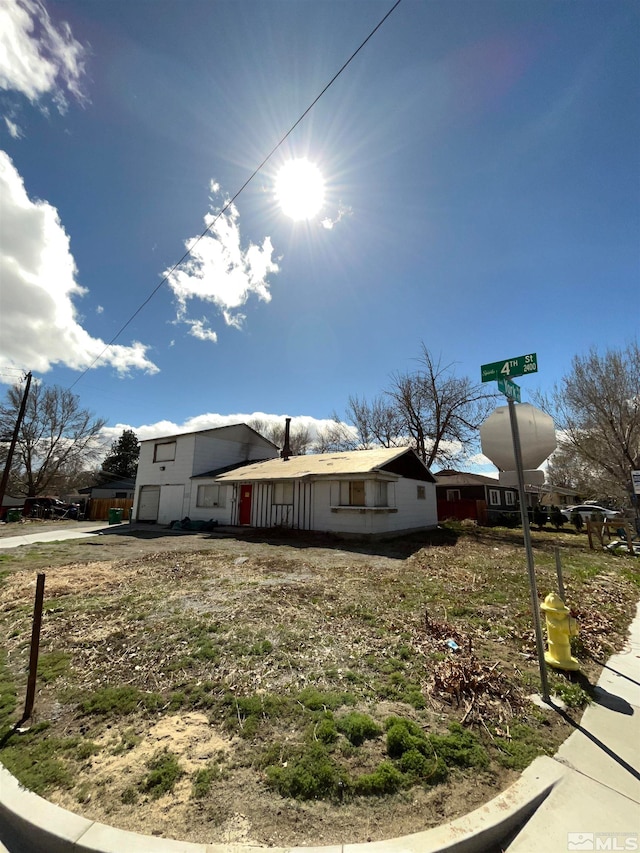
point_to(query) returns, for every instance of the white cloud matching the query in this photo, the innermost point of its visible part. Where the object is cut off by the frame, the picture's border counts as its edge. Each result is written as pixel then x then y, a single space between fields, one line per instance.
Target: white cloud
pixel 212 420
pixel 330 222
pixel 199 330
pixel 38 275
pixel 14 131
pixel 36 57
pixel 219 271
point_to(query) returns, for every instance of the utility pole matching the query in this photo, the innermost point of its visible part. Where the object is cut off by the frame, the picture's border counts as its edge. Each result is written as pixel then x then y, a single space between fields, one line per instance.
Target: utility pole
pixel 14 438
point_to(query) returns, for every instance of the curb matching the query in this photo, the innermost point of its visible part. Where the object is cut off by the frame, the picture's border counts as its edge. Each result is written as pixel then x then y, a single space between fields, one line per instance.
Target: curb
pixel 30 824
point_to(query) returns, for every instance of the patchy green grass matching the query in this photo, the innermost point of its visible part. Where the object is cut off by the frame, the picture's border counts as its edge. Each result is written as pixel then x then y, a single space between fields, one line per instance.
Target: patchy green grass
pixel 52 665
pixel 164 772
pixel 119 701
pixel 42 761
pixel 331 674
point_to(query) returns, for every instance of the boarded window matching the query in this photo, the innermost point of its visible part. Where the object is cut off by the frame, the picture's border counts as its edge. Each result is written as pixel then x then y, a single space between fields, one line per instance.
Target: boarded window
pixel 422 493
pixel 282 493
pixel 210 496
pixel 453 494
pixel 164 451
pixel 511 498
pixel 352 493
pixel 381 494
pixel 494 497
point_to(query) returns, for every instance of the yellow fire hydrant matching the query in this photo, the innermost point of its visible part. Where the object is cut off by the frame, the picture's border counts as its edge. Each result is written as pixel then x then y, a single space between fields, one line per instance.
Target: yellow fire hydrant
pixel 560 628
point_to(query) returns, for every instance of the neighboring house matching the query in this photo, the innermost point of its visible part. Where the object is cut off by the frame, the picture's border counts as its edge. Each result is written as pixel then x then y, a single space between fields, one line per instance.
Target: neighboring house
pixel 559 495
pixel 475 496
pixel 116 489
pixel 167 486
pixel 377 492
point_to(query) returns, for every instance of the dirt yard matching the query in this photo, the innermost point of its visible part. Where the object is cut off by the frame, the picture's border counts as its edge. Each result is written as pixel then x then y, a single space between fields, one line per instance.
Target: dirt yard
pixel 221 689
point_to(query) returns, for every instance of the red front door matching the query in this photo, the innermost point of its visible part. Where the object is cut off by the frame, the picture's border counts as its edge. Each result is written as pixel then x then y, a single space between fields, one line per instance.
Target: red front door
pixel 245 505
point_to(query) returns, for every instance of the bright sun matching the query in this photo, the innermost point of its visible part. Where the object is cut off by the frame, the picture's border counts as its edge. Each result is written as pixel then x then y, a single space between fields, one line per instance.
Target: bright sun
pixel 299 189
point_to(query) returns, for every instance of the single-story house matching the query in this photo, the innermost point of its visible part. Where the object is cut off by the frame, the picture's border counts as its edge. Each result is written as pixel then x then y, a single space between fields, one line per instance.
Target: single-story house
pixel 559 495
pixel 116 489
pixel 384 491
pixel 464 495
pixel 166 487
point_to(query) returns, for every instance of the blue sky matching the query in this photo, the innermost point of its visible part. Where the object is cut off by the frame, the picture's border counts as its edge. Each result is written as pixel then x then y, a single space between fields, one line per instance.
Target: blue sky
pixel 482 195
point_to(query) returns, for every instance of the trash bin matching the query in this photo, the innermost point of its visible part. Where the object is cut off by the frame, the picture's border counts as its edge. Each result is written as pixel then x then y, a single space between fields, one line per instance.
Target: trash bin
pixel 115 515
pixel 14 514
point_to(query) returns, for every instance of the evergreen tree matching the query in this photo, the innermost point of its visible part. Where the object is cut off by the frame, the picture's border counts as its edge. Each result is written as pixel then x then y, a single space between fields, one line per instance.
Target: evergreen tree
pixel 122 461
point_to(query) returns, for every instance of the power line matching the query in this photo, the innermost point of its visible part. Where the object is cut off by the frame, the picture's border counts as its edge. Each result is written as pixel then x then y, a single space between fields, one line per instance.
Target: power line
pixel 232 200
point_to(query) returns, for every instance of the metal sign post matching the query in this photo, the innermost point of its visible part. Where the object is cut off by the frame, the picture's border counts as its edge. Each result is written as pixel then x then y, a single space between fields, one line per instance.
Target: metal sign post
pixel 535 607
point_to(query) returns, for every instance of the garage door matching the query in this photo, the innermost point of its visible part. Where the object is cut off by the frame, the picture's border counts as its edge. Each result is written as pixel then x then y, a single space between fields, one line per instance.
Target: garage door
pixel 171 504
pixel 149 503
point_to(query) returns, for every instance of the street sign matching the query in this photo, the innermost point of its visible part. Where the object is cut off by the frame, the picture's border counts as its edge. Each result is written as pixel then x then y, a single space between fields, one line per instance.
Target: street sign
pixel 509 389
pixel 519 366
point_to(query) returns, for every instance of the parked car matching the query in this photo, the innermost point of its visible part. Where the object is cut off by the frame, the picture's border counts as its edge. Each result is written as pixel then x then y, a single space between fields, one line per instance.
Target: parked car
pixel 587 510
pixel 46 507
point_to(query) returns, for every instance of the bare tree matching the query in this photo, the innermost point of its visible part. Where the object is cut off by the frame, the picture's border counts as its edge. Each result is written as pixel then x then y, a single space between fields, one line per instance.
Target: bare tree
pixel 335 437
pixel 299 436
pixel 56 438
pixel 440 412
pixel 378 424
pixel 596 409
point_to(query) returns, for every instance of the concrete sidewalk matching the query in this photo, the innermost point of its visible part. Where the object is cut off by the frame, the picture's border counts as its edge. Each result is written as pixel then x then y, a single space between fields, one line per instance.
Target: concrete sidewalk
pixel 82 530
pixel 596 804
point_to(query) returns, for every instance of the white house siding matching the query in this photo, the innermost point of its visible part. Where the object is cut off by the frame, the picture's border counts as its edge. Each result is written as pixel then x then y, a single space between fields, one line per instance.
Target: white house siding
pixel 173 473
pixel 416 513
pixel 317 507
pixel 403 511
pixel 220 514
pixel 264 513
pixel 195 453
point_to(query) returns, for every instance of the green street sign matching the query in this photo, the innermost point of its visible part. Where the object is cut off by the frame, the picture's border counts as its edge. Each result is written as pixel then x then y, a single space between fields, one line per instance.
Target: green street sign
pixel 519 366
pixel 509 389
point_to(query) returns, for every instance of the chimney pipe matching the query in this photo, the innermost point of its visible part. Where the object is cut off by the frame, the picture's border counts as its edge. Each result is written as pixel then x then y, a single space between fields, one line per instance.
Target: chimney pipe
pixel 286 449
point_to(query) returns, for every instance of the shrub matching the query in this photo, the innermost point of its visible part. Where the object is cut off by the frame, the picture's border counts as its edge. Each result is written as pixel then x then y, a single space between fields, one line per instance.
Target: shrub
pixel 357 728
pixel 309 775
pixel 386 779
pixel 164 773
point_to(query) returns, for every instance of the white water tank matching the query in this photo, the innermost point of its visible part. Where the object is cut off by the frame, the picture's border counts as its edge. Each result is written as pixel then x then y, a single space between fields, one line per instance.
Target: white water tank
pixel 537 437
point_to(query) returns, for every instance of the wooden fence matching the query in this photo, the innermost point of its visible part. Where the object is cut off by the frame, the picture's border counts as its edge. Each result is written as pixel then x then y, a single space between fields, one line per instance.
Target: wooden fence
pixel 99 508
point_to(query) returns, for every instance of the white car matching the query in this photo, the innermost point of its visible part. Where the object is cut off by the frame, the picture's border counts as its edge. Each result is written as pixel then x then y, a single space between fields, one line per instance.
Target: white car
pixel 587 510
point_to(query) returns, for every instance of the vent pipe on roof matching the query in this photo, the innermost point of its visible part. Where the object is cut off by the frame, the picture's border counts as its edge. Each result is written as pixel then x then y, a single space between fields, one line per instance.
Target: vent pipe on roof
pixel 286 449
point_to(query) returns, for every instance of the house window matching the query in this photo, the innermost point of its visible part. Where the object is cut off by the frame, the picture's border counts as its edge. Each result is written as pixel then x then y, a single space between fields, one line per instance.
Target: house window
pixel 352 493
pixel 422 493
pixel 210 496
pixel 282 493
pixel 381 494
pixel 511 498
pixel 120 495
pixel 494 497
pixel 164 451
pixel 453 494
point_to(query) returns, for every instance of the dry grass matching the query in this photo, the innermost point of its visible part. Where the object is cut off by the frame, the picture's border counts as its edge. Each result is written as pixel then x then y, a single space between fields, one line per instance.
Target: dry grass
pixel 233 654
